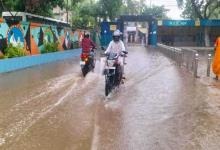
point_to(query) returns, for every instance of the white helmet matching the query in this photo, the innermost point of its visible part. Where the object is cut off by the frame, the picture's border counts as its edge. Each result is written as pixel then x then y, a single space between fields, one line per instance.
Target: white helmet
pixel 116 33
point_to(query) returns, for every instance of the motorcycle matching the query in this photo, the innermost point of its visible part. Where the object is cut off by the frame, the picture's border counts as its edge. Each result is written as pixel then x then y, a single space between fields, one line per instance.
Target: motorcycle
pixel 87 62
pixel 113 71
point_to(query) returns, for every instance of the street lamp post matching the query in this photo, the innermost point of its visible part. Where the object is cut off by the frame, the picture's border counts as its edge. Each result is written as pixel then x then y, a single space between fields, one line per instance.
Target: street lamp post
pixel 67 16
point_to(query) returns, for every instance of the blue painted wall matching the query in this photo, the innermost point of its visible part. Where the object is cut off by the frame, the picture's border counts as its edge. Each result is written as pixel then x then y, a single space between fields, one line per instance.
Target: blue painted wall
pixel 106 32
pixel 153 33
pixel 12 64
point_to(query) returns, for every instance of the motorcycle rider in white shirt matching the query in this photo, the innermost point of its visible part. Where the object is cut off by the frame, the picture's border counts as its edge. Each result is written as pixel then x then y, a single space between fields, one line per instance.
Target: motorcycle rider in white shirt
pixel 117 46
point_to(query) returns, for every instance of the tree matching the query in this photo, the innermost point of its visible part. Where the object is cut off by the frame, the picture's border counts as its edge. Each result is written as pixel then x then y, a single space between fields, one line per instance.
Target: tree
pixel 158 12
pixel 202 9
pixel 133 7
pixel 86 13
pixel 110 8
pixel 7 5
pixel 40 7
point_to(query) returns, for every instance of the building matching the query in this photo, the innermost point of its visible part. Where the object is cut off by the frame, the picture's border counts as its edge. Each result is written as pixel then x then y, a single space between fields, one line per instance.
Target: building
pixel 197 33
pixel 187 32
pixel 61 14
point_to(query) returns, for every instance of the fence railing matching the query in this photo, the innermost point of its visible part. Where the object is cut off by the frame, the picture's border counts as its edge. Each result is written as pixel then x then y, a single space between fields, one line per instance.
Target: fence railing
pixel 172 52
pixel 187 57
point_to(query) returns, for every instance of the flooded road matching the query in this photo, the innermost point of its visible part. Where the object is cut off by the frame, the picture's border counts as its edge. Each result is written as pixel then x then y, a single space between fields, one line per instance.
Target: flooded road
pixel 160 107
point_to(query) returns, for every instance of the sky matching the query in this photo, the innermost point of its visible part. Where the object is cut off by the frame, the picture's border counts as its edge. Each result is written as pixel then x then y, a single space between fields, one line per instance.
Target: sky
pixel 174 12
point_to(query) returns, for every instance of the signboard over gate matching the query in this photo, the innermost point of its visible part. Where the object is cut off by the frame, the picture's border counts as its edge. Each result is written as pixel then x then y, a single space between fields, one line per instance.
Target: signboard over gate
pixel 210 22
pixel 178 23
pixel 189 23
pixel 113 27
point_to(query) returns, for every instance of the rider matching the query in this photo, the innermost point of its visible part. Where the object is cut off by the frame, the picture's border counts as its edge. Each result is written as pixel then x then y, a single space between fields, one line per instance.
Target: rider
pixel 116 46
pixel 88 45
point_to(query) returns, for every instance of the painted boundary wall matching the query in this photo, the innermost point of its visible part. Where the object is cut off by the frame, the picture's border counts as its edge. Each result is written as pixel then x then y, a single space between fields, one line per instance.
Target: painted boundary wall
pixel 32 36
pixel 12 64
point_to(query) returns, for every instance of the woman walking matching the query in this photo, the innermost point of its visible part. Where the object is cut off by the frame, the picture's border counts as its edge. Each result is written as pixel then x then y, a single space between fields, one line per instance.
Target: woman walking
pixel 216 60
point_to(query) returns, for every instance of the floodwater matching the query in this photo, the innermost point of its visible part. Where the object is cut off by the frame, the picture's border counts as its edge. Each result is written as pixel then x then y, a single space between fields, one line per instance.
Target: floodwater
pixel 160 107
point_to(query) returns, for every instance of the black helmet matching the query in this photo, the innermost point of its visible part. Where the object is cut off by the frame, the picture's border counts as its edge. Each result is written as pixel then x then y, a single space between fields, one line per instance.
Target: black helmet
pixel 86 34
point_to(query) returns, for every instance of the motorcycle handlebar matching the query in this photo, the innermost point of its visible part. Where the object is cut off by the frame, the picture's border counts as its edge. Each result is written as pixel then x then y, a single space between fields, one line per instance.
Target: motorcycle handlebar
pixel 125 52
pixel 122 54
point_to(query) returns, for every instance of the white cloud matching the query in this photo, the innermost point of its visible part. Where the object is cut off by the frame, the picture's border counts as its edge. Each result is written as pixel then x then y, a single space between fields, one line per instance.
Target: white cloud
pixel 174 13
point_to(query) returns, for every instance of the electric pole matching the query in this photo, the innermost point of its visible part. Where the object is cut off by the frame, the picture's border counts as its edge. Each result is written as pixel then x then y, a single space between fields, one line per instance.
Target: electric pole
pixel 67 16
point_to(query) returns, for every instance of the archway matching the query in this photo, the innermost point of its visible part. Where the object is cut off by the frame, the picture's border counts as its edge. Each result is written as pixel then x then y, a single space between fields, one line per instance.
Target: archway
pixel 149 36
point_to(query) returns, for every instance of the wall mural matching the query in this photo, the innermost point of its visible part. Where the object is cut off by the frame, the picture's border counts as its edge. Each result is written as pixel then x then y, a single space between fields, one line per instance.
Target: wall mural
pixel 48 35
pixel 75 36
pixel 15 36
pixel 67 41
pixel 3 35
pixel 32 36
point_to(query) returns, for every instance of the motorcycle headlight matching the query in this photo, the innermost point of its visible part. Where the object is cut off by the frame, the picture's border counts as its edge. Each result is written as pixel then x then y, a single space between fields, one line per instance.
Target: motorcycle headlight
pixel 110 63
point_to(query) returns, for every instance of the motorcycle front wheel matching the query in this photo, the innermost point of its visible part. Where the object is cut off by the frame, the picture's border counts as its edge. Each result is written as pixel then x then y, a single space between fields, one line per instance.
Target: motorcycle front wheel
pixel 85 70
pixel 107 86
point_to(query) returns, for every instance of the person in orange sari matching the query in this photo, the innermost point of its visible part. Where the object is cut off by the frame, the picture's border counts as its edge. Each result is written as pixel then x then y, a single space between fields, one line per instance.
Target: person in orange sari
pixel 216 59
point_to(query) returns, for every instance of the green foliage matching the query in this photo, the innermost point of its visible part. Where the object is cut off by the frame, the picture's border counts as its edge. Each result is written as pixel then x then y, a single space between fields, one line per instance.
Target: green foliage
pixel 193 9
pixel 50 47
pixel 132 7
pixel 40 7
pixel 158 12
pixel 188 11
pixel 201 9
pixel 110 8
pixel 138 7
pixel 13 5
pixel 44 7
pixel 14 51
pixel 86 13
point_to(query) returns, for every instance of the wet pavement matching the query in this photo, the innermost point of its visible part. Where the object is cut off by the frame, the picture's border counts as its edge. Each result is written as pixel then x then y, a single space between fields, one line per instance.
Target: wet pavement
pixel 160 107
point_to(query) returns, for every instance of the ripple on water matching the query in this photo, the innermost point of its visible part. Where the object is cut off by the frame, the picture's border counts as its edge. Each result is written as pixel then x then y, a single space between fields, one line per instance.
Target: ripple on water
pixel 2 141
